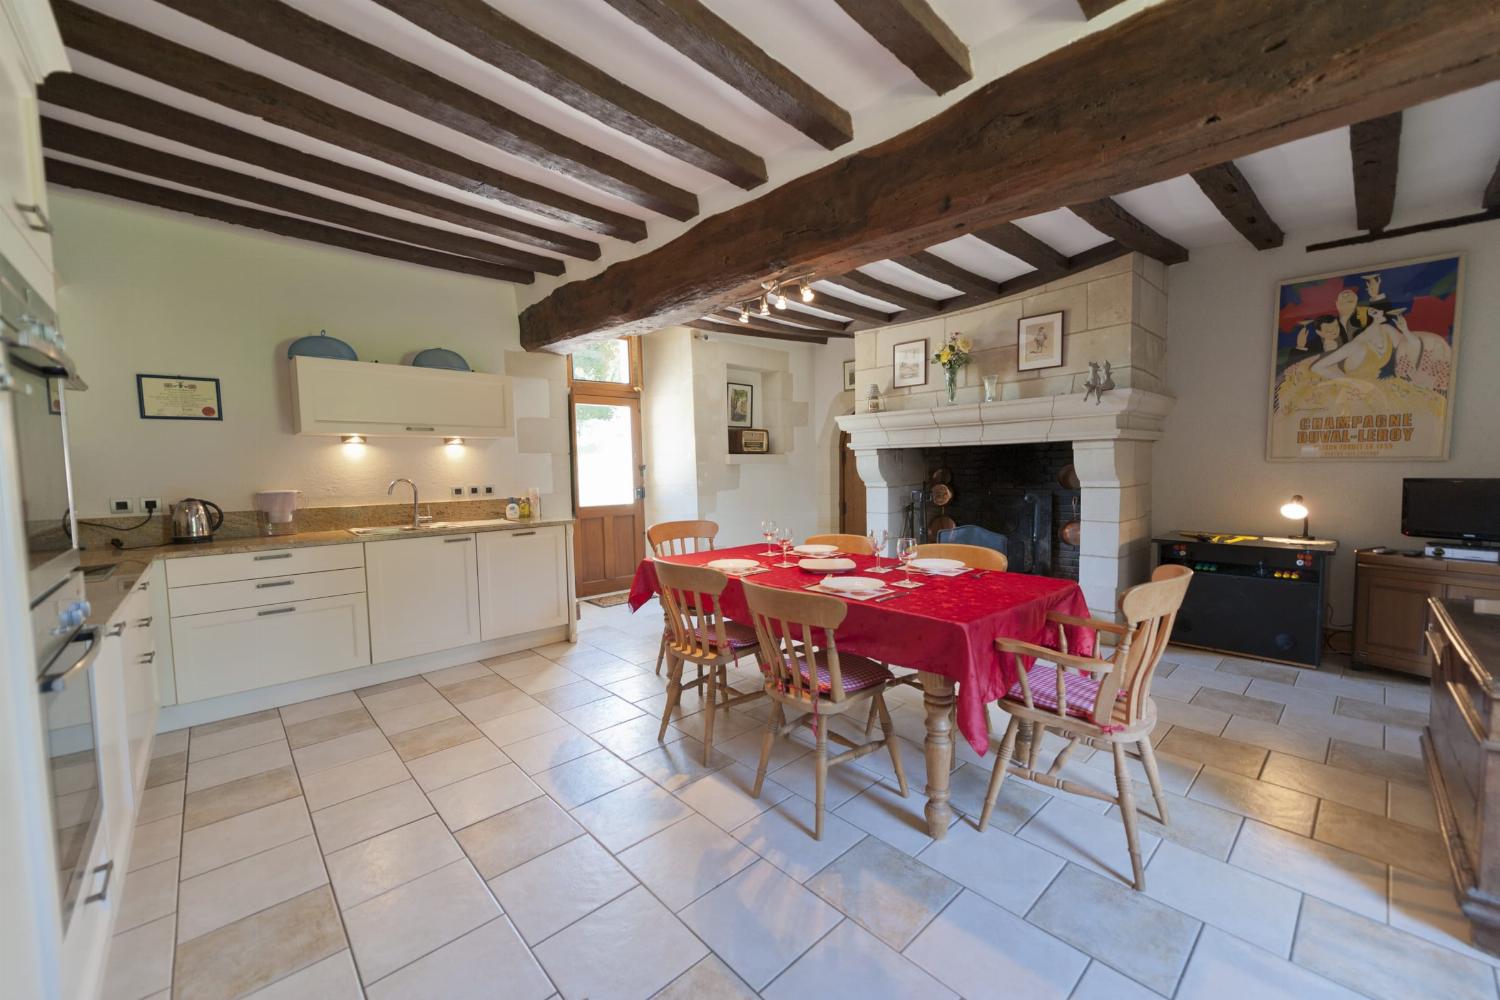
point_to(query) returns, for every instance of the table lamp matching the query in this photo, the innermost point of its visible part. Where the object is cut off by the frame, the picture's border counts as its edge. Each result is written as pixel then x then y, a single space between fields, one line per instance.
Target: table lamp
pixel 1295 508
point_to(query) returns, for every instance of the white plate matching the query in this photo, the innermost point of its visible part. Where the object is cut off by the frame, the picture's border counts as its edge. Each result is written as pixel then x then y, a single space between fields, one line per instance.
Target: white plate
pixel 817 551
pixel 826 565
pixel 852 584
pixel 733 565
pixel 937 565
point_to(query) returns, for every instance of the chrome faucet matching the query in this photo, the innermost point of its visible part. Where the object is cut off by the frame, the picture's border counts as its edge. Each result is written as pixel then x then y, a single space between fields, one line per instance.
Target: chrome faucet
pixel 416 519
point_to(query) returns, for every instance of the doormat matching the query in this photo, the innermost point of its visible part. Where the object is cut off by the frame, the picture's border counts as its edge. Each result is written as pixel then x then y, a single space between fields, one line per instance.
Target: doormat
pixel 609 600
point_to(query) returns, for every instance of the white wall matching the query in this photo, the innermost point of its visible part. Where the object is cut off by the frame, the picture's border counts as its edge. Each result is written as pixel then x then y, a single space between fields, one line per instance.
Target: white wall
pixel 1210 469
pixel 667 425
pixel 829 400
pixel 147 291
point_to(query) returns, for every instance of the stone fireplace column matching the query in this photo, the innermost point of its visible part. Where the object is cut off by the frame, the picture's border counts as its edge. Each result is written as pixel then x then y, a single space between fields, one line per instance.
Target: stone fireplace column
pixel 1115 508
pixel 889 474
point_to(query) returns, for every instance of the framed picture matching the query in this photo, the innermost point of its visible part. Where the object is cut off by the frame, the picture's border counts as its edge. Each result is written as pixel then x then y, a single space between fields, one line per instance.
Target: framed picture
pixel 1363 362
pixel 741 404
pixel 1039 342
pixel 848 374
pixel 909 364
pixel 178 397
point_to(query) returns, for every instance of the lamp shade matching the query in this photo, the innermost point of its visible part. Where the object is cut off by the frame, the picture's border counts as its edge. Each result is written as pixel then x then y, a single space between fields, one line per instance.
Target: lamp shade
pixel 1294 508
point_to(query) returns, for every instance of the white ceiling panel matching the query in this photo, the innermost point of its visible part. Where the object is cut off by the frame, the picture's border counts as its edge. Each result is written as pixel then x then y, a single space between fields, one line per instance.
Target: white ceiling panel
pixel 858 298
pixel 1063 231
pixel 1306 184
pixel 894 274
pixel 1449 149
pixel 978 257
pixel 1179 210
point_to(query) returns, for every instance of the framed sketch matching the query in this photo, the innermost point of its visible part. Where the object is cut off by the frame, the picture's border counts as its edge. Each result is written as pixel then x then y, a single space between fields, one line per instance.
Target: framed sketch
pixel 909 364
pixel 179 397
pixel 1363 362
pixel 741 404
pixel 1039 342
pixel 848 374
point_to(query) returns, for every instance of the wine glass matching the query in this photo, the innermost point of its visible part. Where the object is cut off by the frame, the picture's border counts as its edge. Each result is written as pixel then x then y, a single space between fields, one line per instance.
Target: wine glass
pixel 784 538
pixel 768 532
pixel 878 539
pixel 906 551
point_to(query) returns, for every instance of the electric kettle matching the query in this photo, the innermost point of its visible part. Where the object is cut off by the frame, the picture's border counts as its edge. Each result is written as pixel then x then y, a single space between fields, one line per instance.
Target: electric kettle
pixel 195 520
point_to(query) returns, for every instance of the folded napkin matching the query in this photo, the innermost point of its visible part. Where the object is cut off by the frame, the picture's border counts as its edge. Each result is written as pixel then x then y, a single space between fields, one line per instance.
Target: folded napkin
pixel 747 572
pixel 860 595
pixel 942 572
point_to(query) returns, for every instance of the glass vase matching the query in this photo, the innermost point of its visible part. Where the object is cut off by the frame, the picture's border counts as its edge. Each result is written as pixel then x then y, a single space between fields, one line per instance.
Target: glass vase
pixel 950 382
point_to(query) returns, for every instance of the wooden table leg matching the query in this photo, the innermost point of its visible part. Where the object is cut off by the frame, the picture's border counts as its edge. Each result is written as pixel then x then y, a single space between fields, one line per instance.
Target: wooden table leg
pixel 937 698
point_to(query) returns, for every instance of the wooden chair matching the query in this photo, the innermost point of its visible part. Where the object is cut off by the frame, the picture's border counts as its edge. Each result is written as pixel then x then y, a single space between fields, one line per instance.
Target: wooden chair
pixel 976 556
pixel 675 538
pixel 1106 704
pixel 855 545
pixel 805 671
pixel 698 634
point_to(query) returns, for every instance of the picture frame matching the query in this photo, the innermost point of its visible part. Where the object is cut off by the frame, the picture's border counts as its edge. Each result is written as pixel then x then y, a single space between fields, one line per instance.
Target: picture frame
pixel 909 364
pixel 741 404
pixel 849 375
pixel 179 397
pixel 1039 342
pixel 1364 362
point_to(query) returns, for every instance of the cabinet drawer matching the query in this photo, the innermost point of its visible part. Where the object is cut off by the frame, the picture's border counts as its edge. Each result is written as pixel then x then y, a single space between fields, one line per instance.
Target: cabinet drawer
pixel 210 597
pixel 196 570
pixel 228 651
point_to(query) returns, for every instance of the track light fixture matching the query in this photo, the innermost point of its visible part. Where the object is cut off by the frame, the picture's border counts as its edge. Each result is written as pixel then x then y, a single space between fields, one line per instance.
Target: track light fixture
pixel 807 291
pixel 774 294
pixel 744 315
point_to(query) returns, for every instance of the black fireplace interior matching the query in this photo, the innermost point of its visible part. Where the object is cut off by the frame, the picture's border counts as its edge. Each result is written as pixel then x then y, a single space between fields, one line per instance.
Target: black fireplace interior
pixel 1015 490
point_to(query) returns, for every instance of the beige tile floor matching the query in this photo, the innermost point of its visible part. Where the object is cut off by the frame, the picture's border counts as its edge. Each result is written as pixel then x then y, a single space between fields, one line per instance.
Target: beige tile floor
pixel 513 829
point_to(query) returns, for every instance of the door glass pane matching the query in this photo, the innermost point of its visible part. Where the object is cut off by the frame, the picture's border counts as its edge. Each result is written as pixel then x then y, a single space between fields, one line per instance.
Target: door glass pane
pixel 603 361
pixel 606 454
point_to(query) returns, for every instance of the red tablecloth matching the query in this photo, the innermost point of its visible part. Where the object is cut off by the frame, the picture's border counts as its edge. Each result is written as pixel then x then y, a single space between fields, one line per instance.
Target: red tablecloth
pixel 948 626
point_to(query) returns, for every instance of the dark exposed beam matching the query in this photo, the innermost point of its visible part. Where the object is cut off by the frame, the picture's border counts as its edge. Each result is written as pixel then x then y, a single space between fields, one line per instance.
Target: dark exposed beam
pixel 1112 111
pixel 1093 8
pixel 1488 215
pixel 102 182
pixel 914 34
pixel 779 322
pixel 290 34
pixel 929 265
pixel 1235 199
pixel 490 36
pixel 910 302
pixel 833 303
pixel 101 100
pixel 788 315
pixel 705 38
pixel 1012 239
pixel 178 66
pixel 62 137
pixel 1375 148
pixel 709 326
pixel 1109 218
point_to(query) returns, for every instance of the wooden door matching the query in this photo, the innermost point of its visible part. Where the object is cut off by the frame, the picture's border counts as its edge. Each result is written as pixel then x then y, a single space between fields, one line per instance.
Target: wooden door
pixel 851 491
pixel 608 475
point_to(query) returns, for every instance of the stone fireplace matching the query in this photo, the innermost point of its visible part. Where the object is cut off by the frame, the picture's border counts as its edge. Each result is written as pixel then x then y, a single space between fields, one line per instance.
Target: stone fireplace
pixel 1111 452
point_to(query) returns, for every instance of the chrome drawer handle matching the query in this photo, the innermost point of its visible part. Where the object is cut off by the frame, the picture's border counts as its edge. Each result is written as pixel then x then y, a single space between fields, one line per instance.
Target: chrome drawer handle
pixel 273 555
pixel 522 534
pixel 38 223
pixel 460 538
pixel 274 583
pixel 276 611
pixel 143 585
pixel 144 622
pixel 108 868
pixel 148 656
pixel 428 430
pixel 118 628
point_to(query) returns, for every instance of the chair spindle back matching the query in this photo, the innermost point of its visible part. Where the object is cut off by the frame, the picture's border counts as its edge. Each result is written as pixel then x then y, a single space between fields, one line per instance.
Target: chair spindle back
pixel 783 619
pixel 1150 610
pixel 976 556
pixel 690 599
pixel 676 538
pixel 857 545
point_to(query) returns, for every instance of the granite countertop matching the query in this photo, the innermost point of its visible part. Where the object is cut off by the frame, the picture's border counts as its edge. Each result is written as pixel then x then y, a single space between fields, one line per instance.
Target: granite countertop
pixel 105 595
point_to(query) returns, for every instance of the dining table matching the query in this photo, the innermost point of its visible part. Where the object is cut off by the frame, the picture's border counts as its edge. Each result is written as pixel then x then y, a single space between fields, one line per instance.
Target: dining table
pixel 945 629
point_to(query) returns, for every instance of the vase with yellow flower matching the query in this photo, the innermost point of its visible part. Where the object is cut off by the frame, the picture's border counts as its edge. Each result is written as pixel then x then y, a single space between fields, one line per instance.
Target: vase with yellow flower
pixel 952 356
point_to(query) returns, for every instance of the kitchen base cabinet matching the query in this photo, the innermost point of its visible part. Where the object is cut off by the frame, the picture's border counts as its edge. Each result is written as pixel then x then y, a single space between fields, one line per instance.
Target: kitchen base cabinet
pixel 1391 594
pixel 523 581
pixel 228 651
pixel 142 696
pixel 424 595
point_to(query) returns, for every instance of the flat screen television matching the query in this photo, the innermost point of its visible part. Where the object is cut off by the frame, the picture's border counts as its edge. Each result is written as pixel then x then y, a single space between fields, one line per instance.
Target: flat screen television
pixel 1451 508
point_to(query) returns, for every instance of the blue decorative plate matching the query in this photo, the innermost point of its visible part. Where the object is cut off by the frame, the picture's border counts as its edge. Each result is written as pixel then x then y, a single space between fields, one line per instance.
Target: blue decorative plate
pixel 441 357
pixel 321 346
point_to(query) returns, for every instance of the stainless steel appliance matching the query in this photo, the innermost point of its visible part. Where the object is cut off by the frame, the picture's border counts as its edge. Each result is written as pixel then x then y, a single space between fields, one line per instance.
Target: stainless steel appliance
pixel 195 520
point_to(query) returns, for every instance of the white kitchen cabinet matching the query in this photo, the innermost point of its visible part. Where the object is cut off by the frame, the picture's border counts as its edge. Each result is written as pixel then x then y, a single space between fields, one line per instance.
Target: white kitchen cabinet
pixel 523 580
pixel 30 48
pixel 354 397
pixel 424 595
pixel 246 648
pixel 141 692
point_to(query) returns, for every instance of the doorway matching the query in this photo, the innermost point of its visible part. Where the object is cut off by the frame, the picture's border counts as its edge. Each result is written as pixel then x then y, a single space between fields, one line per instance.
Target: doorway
pixel 608 474
pixel 851 491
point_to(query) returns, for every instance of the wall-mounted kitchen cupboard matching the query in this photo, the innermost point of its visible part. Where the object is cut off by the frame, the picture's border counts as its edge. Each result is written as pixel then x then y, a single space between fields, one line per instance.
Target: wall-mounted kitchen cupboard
pixel 356 397
pixel 30 48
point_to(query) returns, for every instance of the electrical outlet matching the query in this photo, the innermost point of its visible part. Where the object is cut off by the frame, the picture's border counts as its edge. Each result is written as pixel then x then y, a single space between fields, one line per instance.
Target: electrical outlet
pixel 489 491
pixel 120 506
pixel 473 491
pixel 150 505
pixel 458 491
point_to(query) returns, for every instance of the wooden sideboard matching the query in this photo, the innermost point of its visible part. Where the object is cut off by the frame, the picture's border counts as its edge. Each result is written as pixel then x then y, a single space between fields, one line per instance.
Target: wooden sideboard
pixel 1461 746
pixel 1390 604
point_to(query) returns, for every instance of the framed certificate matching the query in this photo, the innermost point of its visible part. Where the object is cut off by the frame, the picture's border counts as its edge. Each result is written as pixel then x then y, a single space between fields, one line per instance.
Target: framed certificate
pixel 179 397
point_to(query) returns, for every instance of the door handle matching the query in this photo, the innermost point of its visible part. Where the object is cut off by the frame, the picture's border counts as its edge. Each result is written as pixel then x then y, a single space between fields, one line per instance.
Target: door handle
pixel 108 868
pixel 38 222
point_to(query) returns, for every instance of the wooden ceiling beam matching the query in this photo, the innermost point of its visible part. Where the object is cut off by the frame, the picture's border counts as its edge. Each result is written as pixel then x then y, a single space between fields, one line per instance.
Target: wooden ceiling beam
pixel 1107 216
pixel 833 303
pixel 910 302
pixel 788 315
pixel 1112 111
pixel 73 140
pixel 708 40
pixel 1236 200
pixel 1375 149
pixel 101 100
pixel 178 66
pixel 934 268
pixel 488 35
pixel 289 34
pixel 777 323
pixel 1492 191
pixel 1093 8
pixel 1012 239
pixel 912 32
pixel 84 178
pixel 740 330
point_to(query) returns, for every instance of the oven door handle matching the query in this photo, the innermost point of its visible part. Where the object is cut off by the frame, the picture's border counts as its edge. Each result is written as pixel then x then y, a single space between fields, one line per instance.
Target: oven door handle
pixel 57 680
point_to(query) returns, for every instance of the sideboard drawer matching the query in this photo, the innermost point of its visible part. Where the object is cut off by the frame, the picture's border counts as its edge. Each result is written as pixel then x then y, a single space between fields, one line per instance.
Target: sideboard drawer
pixel 191 571
pixel 210 597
